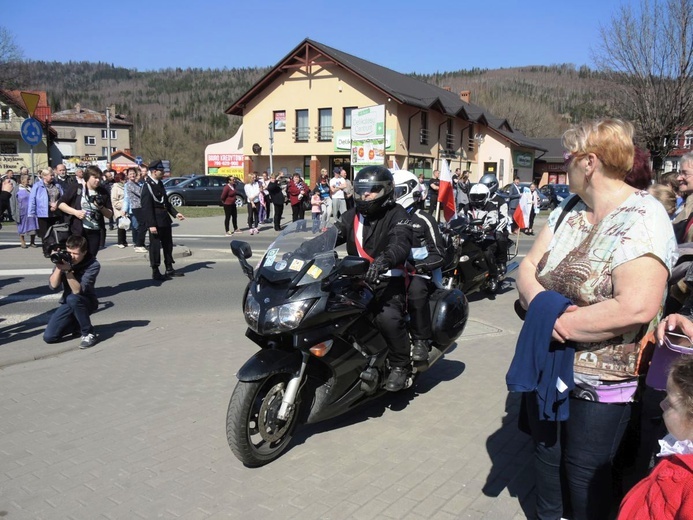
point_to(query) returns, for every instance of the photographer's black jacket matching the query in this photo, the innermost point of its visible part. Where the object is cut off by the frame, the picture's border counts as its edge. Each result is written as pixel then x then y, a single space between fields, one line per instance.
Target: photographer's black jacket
pixel 72 196
pixel 389 235
pixel 156 209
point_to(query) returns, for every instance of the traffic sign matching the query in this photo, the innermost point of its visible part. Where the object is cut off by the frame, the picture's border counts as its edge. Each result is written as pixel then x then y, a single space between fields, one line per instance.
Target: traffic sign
pixel 31 101
pixel 138 160
pixel 32 133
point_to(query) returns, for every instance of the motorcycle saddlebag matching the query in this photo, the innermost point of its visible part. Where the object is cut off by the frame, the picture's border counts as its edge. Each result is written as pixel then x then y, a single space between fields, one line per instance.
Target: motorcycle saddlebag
pixel 449 313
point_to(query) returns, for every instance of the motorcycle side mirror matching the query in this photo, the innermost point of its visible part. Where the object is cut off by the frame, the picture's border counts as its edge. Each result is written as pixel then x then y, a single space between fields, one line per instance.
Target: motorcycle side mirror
pixel 241 249
pixel 353 266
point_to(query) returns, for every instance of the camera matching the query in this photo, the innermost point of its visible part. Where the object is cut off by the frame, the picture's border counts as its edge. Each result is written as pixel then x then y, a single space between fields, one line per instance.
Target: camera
pixel 96 200
pixel 61 257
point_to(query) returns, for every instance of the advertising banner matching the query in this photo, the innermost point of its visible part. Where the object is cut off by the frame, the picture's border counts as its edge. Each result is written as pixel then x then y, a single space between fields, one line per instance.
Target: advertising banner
pixel 342 141
pixel 225 164
pixel 368 136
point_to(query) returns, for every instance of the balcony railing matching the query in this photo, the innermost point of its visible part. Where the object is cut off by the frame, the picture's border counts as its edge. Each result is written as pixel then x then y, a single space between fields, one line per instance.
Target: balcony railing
pixel 301 133
pixel 324 133
pixel 449 140
pixel 423 136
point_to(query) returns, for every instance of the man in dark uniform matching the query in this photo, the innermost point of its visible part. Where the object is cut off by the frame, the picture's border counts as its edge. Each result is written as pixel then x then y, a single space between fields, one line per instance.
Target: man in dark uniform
pixel 378 228
pixel 157 212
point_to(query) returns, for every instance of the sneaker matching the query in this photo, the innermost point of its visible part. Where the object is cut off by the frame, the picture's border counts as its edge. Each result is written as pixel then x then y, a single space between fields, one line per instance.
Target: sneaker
pixel 122 246
pixel 257 231
pixel 397 379
pixel 229 233
pixel 140 250
pixel 173 273
pixel 237 232
pixel 419 351
pixel 88 341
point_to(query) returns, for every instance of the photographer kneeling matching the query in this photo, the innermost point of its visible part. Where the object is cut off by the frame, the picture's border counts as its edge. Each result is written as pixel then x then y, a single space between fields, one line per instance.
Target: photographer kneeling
pixel 76 270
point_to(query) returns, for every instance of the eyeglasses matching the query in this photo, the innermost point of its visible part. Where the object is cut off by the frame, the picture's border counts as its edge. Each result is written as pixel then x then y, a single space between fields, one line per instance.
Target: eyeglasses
pixel 684 173
pixel 568 157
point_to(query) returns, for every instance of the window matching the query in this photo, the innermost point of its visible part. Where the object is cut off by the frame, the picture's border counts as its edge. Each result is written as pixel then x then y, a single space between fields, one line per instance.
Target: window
pixel 104 150
pixel 89 140
pixel 5 114
pixel 423 133
pixel 279 120
pixel 688 139
pixel 325 124
pixel 302 129
pixel 200 182
pixel 347 116
pixel 449 137
pixel 104 134
pixel 8 147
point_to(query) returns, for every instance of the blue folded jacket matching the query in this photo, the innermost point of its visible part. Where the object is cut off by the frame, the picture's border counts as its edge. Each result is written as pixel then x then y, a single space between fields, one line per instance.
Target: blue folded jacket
pixel 540 364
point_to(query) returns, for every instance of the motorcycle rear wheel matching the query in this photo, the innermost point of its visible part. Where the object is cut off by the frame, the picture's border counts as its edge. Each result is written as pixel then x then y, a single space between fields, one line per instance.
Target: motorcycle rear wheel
pixel 255 434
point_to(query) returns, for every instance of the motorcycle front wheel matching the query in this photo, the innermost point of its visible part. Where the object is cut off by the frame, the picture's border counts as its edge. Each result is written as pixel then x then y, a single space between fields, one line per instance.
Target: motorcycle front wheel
pixel 255 434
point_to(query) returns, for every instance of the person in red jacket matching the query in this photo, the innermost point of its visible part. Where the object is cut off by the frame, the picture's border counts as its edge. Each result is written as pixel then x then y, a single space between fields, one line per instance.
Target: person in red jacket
pixel 297 190
pixel 228 200
pixel 667 493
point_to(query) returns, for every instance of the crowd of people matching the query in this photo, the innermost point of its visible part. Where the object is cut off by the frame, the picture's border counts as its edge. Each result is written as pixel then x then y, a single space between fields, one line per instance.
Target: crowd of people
pixel 599 286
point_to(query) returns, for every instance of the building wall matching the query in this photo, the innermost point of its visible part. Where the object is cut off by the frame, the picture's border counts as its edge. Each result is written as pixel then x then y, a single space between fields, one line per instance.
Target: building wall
pixel 11 139
pixel 78 146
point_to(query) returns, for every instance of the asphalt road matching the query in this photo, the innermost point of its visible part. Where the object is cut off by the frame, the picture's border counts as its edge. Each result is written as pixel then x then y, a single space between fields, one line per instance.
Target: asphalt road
pixel 134 427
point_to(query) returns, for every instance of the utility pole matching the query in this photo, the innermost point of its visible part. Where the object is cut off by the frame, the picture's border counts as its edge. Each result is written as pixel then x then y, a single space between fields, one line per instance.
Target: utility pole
pixel 108 134
pixel 271 140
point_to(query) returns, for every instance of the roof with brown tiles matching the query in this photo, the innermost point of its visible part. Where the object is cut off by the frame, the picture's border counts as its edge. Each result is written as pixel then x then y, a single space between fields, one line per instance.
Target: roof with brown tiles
pixel 86 116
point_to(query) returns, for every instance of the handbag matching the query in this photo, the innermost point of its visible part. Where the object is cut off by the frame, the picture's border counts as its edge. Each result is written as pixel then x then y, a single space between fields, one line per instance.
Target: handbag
pixel 617 362
pixel 123 223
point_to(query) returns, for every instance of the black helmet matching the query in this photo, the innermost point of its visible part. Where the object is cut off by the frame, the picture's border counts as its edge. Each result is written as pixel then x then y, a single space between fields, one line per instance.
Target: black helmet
pixel 490 181
pixel 373 180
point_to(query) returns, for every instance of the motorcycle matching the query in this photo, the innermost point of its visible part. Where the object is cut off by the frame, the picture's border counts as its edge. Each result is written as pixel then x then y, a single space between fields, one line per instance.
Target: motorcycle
pixel 321 354
pixel 467 267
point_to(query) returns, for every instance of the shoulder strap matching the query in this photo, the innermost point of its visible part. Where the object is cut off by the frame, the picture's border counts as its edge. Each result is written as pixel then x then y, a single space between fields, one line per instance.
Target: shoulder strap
pixel 569 206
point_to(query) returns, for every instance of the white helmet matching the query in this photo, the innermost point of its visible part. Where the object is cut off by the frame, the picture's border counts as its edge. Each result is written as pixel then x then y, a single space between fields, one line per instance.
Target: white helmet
pixel 407 188
pixel 479 195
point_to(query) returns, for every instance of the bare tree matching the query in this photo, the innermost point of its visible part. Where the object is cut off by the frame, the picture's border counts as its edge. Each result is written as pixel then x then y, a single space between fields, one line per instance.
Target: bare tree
pixel 648 52
pixel 12 71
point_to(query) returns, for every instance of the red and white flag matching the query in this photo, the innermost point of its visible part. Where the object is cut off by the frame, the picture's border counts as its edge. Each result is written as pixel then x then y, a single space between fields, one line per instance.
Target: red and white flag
pixel 446 195
pixel 524 207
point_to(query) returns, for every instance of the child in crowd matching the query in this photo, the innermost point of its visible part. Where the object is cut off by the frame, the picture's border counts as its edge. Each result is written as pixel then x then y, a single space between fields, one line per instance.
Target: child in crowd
pixel 667 493
pixel 316 210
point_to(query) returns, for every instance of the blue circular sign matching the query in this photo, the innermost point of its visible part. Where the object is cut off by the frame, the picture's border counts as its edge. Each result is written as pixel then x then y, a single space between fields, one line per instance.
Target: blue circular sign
pixel 32 133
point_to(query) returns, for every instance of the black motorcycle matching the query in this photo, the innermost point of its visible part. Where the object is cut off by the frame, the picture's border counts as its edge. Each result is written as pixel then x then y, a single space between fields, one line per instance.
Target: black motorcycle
pixel 466 267
pixel 320 353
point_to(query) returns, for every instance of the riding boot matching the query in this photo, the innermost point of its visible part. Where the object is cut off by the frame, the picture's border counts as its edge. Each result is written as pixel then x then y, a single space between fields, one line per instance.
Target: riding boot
pixel 419 351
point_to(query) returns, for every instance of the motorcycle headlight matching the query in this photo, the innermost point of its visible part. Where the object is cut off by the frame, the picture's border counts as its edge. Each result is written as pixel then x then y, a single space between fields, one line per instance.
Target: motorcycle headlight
pixel 285 317
pixel 251 311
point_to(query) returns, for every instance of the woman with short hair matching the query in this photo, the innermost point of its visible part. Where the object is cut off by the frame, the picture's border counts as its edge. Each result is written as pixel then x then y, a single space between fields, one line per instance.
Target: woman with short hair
pixel 609 256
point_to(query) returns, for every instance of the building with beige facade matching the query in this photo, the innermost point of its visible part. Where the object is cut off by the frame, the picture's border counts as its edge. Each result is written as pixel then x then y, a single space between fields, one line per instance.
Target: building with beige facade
pixel 82 136
pixel 304 104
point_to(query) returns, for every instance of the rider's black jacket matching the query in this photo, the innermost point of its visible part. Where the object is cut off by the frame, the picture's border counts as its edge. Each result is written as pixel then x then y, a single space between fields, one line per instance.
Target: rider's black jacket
pixel 389 235
pixel 427 234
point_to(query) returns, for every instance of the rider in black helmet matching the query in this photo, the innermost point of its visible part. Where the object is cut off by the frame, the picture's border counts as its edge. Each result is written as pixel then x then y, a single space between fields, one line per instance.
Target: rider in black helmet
pixel 378 228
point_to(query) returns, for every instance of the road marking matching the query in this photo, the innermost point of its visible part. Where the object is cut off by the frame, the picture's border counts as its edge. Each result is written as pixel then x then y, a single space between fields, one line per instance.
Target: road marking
pixel 31 297
pixel 25 272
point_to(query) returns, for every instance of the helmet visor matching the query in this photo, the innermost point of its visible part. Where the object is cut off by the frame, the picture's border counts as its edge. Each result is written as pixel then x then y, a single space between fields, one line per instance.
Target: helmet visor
pixel 477 198
pixel 369 190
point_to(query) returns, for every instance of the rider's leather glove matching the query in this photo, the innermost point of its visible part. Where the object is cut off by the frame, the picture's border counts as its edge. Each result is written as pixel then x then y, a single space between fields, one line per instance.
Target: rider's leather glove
pixel 377 267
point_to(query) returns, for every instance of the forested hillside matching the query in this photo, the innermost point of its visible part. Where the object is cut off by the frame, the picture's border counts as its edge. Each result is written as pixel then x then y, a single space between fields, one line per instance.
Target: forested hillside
pixel 177 112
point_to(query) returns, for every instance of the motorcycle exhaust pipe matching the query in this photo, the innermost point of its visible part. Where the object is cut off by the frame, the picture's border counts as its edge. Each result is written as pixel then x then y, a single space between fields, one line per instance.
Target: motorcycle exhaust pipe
pixel 292 391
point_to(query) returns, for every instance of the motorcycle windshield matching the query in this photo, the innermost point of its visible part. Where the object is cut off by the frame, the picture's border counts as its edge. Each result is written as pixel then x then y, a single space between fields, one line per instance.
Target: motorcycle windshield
pixel 300 255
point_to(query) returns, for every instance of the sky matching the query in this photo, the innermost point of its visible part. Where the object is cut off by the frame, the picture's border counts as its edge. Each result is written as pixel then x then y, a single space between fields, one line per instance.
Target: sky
pixel 404 35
